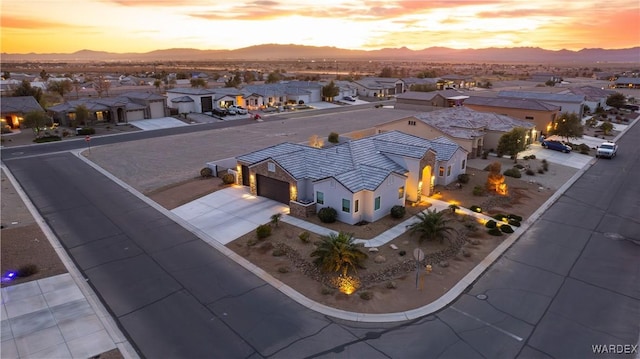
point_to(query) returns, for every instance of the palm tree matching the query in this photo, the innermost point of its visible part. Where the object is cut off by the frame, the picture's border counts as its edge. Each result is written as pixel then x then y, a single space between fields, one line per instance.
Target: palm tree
pixel 338 253
pixel 432 225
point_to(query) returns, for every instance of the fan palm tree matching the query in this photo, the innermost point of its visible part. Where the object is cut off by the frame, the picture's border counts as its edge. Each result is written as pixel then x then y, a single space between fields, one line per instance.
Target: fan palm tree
pixel 431 225
pixel 338 253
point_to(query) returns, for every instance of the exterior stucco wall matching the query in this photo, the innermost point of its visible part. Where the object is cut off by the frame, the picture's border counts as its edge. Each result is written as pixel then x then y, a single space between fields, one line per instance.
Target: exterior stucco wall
pixel 540 118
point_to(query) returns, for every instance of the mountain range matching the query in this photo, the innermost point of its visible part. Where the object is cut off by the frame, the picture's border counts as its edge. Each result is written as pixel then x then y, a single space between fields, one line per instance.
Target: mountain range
pixel 271 52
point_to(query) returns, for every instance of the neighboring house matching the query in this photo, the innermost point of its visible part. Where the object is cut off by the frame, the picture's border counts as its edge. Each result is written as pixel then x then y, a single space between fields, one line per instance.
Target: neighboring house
pixel 429 101
pixel 122 109
pixel 545 76
pixel 379 86
pixel 628 82
pixel 608 76
pixel 13 109
pixel 346 88
pixel 594 96
pixel 567 102
pixel 361 179
pixel 474 131
pixel 411 81
pixel 541 114
pixel 453 81
pixel 203 100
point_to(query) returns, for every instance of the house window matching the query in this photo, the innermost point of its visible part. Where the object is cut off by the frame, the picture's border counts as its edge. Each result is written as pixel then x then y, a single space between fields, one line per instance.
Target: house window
pixel 448 171
pixel 319 197
pixel 271 167
pixel 401 192
pixel 376 204
pixel 356 206
pixel 528 118
pixel 440 171
pixel 464 163
pixel 412 123
pixel 346 205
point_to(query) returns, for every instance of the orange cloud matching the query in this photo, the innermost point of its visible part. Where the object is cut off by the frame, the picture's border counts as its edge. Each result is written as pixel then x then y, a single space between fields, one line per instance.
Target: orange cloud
pixel 29 23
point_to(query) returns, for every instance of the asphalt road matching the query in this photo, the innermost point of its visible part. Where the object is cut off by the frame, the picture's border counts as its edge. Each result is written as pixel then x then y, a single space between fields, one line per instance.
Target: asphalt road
pixel 570 282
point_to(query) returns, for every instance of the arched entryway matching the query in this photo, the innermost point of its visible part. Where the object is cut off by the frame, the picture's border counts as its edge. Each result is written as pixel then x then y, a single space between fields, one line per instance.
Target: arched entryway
pixel 426 182
pixel 120 115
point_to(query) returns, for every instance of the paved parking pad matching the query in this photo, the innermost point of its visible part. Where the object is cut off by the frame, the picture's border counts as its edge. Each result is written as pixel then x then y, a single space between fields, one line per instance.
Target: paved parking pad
pixel 229 213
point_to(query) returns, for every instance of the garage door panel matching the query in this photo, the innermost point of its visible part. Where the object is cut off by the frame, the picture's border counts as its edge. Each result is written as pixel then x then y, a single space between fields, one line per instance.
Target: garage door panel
pixel 272 188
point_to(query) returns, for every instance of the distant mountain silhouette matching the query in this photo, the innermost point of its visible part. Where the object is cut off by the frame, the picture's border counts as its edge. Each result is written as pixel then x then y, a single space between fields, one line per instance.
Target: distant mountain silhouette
pixel 293 52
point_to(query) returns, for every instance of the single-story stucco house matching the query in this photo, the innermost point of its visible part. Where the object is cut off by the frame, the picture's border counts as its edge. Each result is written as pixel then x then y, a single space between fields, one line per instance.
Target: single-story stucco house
pixel 361 179
pixel 13 109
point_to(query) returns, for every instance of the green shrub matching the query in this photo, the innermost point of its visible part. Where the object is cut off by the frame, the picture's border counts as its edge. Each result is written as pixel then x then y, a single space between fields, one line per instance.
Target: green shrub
pixel 545 165
pixel 304 236
pixel 228 178
pixel 402 253
pixel 366 295
pixel 398 211
pixel 263 231
pixel 463 178
pixel 206 172
pixel 27 270
pixel 515 217
pixel 506 228
pixel 283 269
pixel 391 285
pixel 478 191
pixel 530 172
pixel 490 224
pixel 512 172
pixel 540 170
pixel 476 209
pixel 501 217
pixel 334 137
pixel 85 131
pixel 495 232
pixel 278 252
pixel 47 139
pixel 514 223
pixel 327 215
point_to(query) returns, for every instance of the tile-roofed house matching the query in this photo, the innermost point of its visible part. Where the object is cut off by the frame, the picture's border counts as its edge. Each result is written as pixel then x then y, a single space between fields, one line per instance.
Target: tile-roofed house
pixel 594 96
pixel 628 82
pixel 429 101
pixel 568 102
pixel 362 179
pixel 540 113
pixel 379 86
pixel 13 109
pixel 472 130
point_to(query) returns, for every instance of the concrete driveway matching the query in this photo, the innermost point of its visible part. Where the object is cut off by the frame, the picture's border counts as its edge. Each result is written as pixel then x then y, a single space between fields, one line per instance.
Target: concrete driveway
pixel 229 213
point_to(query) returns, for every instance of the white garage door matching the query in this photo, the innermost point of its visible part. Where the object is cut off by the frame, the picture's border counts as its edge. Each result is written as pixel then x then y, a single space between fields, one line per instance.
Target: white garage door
pixel 157 110
pixel 135 115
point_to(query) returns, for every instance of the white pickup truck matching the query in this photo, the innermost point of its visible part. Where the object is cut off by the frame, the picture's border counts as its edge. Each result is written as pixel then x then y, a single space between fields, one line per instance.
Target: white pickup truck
pixel 607 149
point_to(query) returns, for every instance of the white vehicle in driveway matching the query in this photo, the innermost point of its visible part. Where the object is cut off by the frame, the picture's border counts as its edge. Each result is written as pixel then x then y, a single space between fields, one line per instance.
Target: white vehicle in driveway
pixel 233 109
pixel 607 149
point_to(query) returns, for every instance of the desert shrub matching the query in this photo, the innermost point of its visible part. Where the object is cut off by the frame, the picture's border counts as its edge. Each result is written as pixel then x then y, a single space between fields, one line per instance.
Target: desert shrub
pixel 334 137
pixel 304 236
pixel 541 170
pixel 278 252
pixel 252 242
pixel 478 191
pixel 495 232
pixel 515 217
pixel 391 285
pixel 463 178
pixel 506 228
pixel 545 165
pixel 47 139
pixel 476 209
pixel 27 270
pixel 530 172
pixel 206 172
pixel 366 295
pixel 513 222
pixel 228 178
pixel 512 172
pixel 485 154
pixel 398 211
pixel 490 224
pixel 327 215
pixel 85 131
pixel 283 270
pixel 402 253
pixel 263 231
pixel 500 217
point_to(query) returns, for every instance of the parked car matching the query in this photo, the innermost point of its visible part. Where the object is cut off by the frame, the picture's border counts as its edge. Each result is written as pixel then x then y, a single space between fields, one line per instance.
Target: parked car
pixel 607 149
pixel 556 145
pixel 220 112
pixel 349 98
pixel 239 109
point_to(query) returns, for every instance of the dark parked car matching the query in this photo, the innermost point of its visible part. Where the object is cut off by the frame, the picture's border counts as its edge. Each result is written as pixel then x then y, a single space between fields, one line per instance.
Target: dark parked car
pixel 220 112
pixel 349 98
pixel 556 145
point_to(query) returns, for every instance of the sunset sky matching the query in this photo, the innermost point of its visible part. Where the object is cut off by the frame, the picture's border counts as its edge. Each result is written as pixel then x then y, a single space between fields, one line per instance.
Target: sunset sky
pixel 45 26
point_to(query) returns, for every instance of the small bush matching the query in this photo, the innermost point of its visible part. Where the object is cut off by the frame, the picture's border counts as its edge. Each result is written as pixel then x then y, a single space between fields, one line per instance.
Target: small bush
pixel 402 253
pixel 463 178
pixel 252 242
pixel 398 211
pixel 478 191
pixel 283 270
pixel 545 165
pixel 540 170
pixel 515 217
pixel 278 252
pixel 514 223
pixel 304 236
pixel 391 285
pixel 27 270
pixel 490 224
pixel 530 172
pixel 85 131
pixel 513 172
pixel 334 137
pixel 495 232
pixel 485 154
pixel 228 178
pixel 206 172
pixel 47 139
pixel 263 231
pixel 327 215
pixel 506 228
pixel 366 295
pixel 476 209
pixel 532 157
pixel 501 217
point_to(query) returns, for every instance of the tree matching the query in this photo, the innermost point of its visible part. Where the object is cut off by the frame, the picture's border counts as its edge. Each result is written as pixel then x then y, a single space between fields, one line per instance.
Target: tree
pixel 60 87
pixel 44 75
pixel 6 75
pixel 330 91
pixel 431 225
pixel 550 83
pixel 101 85
pixel 25 89
pixel 274 77
pixel 512 142
pixel 386 72
pixel 249 77
pixel 616 100
pixel 567 125
pixel 339 253
pixel 606 127
pixel 157 83
pixel 36 120
pixel 198 82
pixel 82 115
